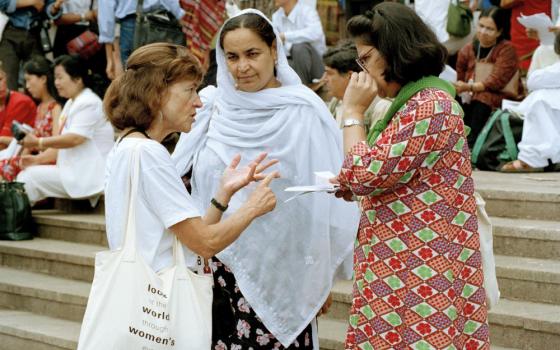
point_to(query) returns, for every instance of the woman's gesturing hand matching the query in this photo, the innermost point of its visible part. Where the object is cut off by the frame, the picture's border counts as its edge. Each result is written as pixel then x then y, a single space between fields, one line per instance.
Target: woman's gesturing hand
pixel 359 94
pixel 235 178
pixel 262 199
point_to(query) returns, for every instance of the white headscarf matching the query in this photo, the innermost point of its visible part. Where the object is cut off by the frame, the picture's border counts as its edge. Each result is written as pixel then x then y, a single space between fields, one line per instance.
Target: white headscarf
pixel 285 262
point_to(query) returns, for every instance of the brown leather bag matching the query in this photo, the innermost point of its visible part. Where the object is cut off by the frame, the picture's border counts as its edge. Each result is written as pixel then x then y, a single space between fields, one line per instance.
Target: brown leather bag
pixel 483 69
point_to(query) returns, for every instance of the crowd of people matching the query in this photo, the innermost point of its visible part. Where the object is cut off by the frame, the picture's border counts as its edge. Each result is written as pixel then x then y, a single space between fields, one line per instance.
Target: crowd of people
pixel 397 132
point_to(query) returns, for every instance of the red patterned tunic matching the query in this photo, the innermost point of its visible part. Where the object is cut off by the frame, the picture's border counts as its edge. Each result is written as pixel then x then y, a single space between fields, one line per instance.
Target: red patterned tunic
pixel 417 263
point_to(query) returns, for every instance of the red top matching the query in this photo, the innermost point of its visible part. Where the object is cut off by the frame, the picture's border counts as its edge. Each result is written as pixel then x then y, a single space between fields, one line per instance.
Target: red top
pixel 523 45
pixel 21 108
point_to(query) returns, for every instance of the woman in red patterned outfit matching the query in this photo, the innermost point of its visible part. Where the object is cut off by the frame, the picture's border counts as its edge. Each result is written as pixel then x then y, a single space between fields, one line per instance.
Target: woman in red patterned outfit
pixel 39 81
pixel 417 263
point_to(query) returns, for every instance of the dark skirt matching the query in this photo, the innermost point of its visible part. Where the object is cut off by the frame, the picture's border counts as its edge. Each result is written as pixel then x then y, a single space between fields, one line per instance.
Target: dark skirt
pixel 235 324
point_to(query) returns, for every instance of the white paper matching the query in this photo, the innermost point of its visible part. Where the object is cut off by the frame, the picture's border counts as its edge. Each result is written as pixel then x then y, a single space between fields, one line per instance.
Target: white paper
pixel 322 184
pixel 449 74
pixel 540 22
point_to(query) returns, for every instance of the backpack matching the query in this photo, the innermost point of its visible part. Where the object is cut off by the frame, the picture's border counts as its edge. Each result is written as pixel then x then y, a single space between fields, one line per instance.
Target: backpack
pixel 497 142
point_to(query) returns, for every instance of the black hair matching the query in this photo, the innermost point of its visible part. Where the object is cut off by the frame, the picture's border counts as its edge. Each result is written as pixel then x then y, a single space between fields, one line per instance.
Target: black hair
pixel 42 67
pixel 77 68
pixel 342 57
pixel 409 47
pixel 500 18
pixel 252 21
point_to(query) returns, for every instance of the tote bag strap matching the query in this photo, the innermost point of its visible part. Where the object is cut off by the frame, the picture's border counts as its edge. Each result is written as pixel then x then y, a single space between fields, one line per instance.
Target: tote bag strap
pixel 129 242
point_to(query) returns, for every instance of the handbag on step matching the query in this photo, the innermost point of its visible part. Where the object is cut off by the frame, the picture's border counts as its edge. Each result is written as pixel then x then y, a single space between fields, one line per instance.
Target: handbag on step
pixel 130 306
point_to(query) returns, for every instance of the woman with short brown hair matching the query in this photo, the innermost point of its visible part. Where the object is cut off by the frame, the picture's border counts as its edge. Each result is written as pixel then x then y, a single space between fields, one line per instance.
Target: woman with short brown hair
pixel 154 97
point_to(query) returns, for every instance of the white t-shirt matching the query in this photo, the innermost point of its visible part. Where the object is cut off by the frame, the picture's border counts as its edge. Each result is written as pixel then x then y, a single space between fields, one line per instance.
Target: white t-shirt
pixel 162 199
pixel 81 166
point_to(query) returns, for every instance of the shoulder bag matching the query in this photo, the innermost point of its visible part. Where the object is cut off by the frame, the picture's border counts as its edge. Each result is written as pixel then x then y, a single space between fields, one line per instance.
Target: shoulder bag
pixel 156 26
pixel 130 306
pixel 483 69
pixel 86 44
pixel 459 18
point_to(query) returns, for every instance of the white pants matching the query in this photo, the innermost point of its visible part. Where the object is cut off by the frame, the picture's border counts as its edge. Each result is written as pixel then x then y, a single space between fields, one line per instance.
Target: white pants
pixel 42 181
pixel 541 135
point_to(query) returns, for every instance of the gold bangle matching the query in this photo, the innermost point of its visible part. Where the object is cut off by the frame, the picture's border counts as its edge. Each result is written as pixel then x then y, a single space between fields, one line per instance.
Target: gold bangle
pixel 40 143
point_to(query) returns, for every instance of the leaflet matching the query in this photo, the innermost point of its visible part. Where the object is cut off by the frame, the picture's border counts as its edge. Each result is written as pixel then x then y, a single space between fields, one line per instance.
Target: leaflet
pixel 540 22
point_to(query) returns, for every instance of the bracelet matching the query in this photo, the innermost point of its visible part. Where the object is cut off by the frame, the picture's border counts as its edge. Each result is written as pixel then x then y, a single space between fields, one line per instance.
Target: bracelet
pixel 82 17
pixel 218 205
pixel 40 144
pixel 351 122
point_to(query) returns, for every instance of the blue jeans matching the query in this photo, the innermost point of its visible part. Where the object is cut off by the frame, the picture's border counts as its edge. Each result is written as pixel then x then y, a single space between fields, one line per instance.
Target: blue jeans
pixel 127 37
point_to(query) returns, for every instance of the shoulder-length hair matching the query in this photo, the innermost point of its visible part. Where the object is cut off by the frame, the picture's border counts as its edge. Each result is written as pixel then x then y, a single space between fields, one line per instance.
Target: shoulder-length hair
pixel 135 98
pixel 407 44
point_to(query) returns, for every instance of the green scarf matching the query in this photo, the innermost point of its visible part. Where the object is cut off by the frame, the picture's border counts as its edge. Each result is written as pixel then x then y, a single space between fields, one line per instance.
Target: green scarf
pixel 405 93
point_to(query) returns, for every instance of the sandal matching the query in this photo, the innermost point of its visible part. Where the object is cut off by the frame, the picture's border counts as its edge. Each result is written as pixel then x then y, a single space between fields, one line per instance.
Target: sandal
pixel 519 166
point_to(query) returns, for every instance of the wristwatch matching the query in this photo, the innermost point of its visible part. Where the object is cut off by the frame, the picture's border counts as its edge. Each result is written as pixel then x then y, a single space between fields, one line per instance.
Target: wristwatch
pixel 351 122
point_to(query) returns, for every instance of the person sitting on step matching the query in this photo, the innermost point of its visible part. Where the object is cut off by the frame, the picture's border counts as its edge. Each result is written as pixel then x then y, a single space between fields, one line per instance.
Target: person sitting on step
pixel 541 127
pixel 302 35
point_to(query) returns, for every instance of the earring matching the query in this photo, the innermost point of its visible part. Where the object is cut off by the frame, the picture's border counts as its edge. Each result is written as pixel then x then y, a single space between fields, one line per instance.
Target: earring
pixel 236 86
pixel 160 116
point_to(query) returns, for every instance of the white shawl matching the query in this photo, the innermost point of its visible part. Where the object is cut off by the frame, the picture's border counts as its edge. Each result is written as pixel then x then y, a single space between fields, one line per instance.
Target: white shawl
pixel 286 261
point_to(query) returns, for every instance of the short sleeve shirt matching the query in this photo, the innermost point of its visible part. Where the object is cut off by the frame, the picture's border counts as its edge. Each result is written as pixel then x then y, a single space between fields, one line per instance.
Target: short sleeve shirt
pixel 162 200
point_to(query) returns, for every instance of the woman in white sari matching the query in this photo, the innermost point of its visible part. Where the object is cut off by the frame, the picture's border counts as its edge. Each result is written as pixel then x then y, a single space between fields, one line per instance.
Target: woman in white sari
pixel 275 279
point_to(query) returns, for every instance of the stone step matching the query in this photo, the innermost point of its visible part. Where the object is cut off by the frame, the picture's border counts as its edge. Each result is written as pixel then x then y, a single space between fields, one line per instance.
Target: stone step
pixel 512 322
pixel 43 294
pixel 526 196
pixel 79 228
pixel 526 238
pixel 28 331
pixel 529 279
pixel 58 258
pixel 333 332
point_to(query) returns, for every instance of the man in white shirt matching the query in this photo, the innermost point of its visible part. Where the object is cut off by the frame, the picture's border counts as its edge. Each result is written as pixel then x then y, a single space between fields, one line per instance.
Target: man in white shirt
pixel 302 34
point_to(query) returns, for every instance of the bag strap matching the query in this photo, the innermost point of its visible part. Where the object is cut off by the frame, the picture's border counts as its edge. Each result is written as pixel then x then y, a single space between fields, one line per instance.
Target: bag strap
pixel 137 30
pixel 403 96
pixel 481 139
pixel 511 145
pixel 129 241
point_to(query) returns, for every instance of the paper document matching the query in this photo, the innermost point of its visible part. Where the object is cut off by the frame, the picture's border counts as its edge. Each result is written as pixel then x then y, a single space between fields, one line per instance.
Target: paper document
pixel 322 184
pixel 540 22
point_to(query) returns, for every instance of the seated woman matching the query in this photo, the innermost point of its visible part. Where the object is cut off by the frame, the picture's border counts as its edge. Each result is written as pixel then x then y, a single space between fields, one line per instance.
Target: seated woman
pixel 271 283
pixel 39 81
pixel 13 106
pixel 417 267
pixel 86 137
pixel 541 124
pixel 490 46
pixel 340 63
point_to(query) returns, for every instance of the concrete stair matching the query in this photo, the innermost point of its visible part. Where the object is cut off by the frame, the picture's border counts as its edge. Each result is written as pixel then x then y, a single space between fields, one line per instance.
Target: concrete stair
pixel 44 283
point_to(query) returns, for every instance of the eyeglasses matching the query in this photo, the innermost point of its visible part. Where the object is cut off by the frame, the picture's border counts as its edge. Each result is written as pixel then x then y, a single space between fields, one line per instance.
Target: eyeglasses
pixel 362 60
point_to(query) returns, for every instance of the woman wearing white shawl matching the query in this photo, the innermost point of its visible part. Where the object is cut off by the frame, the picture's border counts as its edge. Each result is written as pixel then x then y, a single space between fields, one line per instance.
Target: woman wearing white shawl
pixel 284 266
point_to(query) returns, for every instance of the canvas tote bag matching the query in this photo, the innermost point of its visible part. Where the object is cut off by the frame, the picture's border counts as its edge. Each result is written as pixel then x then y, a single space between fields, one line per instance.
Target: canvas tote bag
pixel 134 308
pixel 487 253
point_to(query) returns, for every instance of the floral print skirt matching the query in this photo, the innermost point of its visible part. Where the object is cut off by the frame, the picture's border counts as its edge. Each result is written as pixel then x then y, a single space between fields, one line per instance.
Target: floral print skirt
pixel 235 324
